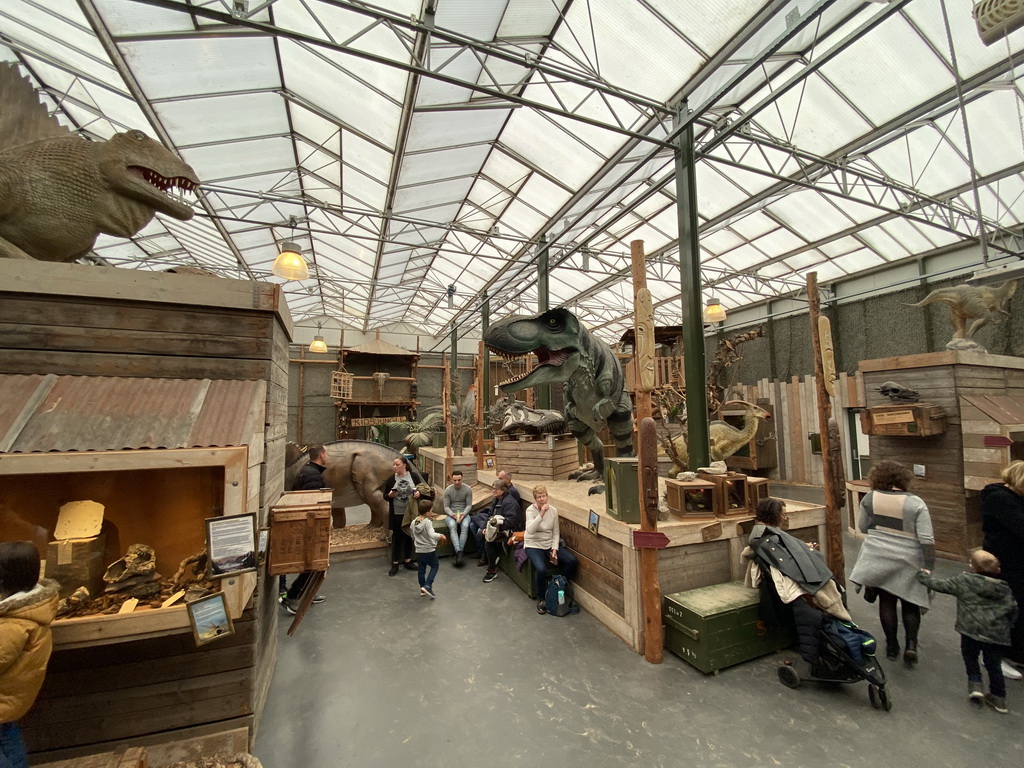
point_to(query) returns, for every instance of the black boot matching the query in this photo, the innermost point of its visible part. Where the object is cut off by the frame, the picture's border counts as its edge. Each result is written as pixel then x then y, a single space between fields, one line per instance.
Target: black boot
pixel 892 650
pixel 910 654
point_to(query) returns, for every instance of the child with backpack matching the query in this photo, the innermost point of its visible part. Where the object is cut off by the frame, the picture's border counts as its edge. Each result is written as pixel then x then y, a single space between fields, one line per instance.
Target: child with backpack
pixel 426 539
pixel 985 611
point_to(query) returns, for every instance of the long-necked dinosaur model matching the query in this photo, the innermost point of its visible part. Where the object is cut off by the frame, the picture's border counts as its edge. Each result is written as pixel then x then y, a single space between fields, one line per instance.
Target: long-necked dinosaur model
pixel 982 304
pixel 59 192
pixel 591 376
pixel 725 438
pixel 356 471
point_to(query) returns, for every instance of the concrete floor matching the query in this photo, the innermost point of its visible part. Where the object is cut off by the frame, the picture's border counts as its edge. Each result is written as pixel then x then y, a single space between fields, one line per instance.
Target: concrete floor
pixel 379 676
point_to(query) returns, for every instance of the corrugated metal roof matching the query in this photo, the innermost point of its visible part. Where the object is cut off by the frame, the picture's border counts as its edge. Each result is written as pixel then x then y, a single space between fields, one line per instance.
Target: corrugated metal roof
pixel 378 347
pixel 104 413
pixel 1002 409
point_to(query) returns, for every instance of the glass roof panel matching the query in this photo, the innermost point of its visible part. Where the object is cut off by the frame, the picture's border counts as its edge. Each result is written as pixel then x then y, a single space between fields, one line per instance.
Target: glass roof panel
pixel 183 67
pixel 431 130
pixel 232 160
pixel 529 18
pixel 133 18
pixel 225 117
pixel 889 69
pixel 809 214
pixel 997 117
pixel 443 163
pixel 424 195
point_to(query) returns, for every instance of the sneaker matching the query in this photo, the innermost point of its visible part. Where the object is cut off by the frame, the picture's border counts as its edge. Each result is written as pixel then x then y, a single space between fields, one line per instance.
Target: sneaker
pixel 490 576
pixel 974 693
pixel 458 560
pixel 394 569
pixel 1010 672
pixel 411 566
pixel 429 591
pixel 998 703
pixel 423 591
pixel 319 599
pixel 542 606
pixel 292 606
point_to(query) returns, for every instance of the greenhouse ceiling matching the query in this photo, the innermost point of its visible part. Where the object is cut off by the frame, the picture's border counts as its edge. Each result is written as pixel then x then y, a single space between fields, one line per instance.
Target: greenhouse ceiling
pixel 413 148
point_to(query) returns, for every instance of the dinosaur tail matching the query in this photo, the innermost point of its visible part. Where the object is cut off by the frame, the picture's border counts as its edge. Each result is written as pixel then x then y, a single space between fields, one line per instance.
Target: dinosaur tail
pixel 940 295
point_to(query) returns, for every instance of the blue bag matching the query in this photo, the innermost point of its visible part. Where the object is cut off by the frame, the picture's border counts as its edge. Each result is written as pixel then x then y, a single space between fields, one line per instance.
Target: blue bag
pixel 558 597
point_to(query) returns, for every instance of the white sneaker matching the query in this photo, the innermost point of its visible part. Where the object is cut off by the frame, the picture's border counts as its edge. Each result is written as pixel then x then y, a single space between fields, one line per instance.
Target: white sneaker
pixel 1010 672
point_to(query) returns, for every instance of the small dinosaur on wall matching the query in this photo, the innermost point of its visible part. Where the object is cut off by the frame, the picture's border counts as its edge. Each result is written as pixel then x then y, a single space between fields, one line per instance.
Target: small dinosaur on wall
pixel 981 304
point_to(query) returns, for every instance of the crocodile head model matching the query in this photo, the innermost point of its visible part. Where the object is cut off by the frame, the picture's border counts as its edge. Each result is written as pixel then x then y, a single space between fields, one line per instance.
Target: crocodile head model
pixel 59 192
pixel 591 376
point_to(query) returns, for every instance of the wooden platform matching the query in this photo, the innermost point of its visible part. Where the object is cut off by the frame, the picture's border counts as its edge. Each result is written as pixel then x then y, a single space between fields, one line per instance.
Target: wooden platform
pixel 537 457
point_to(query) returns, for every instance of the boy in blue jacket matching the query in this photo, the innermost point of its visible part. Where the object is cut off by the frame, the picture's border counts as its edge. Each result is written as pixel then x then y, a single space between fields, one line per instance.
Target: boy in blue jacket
pixel 985 611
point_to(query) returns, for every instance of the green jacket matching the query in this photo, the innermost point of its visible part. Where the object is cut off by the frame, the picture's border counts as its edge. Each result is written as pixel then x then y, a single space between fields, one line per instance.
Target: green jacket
pixel 985 609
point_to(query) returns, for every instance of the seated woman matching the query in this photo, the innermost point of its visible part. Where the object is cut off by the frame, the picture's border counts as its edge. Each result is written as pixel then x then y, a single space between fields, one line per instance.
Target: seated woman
pixel 543 543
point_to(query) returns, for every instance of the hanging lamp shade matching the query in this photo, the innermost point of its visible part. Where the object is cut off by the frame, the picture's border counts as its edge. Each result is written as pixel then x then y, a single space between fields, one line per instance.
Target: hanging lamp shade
pixel 318 344
pixel 714 312
pixel 289 263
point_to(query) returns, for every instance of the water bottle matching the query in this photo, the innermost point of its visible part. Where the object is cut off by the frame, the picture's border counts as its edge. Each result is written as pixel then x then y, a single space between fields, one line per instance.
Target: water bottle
pixel 561 597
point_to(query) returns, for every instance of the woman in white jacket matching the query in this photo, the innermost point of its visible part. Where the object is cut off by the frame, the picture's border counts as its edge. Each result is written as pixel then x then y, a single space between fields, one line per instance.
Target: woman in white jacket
pixel 544 545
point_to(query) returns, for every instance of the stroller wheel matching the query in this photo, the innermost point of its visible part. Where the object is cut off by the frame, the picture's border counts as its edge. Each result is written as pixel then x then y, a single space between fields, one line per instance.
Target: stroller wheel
pixel 873 696
pixel 789 677
pixel 886 701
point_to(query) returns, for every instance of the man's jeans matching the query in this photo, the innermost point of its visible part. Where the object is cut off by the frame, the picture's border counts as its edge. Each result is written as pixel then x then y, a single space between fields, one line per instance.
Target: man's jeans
pixel 458 537
pixel 12 747
pixel 478 534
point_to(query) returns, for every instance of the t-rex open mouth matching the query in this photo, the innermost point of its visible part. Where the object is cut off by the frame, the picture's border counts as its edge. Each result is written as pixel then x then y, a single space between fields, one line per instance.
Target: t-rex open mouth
pixel 162 183
pixel 545 356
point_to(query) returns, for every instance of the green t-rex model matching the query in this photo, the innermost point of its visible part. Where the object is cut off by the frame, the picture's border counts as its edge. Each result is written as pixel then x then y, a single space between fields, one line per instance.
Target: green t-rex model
pixel 59 192
pixel 591 376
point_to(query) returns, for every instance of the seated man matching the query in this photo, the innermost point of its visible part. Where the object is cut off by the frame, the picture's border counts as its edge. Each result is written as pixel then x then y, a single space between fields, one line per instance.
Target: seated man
pixel 506 507
pixel 458 499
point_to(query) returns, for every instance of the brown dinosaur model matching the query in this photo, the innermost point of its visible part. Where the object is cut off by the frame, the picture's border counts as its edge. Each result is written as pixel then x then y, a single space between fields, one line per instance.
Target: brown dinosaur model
pixel 725 438
pixel 59 192
pixel 983 304
pixel 355 472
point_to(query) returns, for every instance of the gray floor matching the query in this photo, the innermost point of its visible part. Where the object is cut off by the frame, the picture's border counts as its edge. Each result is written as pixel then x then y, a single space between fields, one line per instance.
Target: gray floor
pixel 379 676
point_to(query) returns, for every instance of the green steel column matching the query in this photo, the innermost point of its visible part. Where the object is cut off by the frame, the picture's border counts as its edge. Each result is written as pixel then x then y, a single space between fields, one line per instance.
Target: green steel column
pixel 543 267
pixel 455 393
pixel 485 385
pixel 694 364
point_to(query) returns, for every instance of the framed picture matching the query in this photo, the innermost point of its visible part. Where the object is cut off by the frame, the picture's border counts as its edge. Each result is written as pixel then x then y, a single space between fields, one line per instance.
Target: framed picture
pixel 489 463
pixel 231 542
pixel 595 520
pixel 210 618
pixel 261 548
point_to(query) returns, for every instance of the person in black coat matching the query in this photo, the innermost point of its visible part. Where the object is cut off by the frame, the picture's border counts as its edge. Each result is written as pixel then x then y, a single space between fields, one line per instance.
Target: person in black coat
pixel 512 520
pixel 309 478
pixel 1002 522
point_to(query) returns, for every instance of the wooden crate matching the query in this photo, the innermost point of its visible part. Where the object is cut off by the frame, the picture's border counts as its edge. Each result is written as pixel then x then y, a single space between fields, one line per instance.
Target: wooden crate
pixel 757 490
pixel 715 627
pixel 300 532
pixel 693 500
pixel 75 563
pixel 732 494
pixel 541 457
pixel 911 420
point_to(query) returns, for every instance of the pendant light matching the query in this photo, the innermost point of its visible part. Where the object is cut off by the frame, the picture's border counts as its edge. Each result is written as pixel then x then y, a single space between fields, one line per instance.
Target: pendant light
pixel 318 344
pixel 289 263
pixel 714 312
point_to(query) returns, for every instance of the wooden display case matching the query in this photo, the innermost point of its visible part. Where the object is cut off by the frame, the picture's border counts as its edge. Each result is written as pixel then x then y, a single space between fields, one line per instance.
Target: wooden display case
pixel 690 500
pixel 156 497
pixel 910 420
pixel 300 532
pixel 732 494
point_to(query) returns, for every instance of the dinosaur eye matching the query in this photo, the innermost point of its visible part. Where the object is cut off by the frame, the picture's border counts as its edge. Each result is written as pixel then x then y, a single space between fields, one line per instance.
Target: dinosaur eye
pixel 137 135
pixel 553 323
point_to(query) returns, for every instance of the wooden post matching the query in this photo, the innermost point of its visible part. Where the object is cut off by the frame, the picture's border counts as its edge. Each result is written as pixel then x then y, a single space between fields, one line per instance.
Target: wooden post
pixel 446 408
pixel 833 523
pixel 647 451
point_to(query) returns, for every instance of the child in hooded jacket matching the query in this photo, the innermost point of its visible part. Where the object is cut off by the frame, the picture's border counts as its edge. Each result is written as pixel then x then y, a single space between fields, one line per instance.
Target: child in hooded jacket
pixel 985 612
pixel 27 608
pixel 426 539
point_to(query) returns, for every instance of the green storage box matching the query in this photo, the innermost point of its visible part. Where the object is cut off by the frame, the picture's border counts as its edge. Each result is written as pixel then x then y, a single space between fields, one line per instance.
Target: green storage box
pixel 717 626
pixel 622 488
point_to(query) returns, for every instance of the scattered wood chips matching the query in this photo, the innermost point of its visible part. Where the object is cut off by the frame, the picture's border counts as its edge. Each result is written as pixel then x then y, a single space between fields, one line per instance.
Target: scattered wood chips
pixel 241 760
pixel 356 534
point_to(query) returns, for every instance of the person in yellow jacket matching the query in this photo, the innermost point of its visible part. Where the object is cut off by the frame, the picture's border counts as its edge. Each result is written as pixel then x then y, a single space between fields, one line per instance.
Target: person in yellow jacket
pixel 27 607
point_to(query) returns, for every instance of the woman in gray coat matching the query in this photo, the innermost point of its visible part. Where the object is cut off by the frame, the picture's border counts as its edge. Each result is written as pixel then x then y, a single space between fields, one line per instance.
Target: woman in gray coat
pixel 899 543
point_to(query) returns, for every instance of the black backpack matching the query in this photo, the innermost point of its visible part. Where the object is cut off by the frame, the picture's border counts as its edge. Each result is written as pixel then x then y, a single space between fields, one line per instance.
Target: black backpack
pixel 558 597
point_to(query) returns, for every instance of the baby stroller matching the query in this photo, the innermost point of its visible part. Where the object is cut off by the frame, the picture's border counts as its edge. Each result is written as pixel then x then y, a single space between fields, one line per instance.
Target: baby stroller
pixel 834 651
